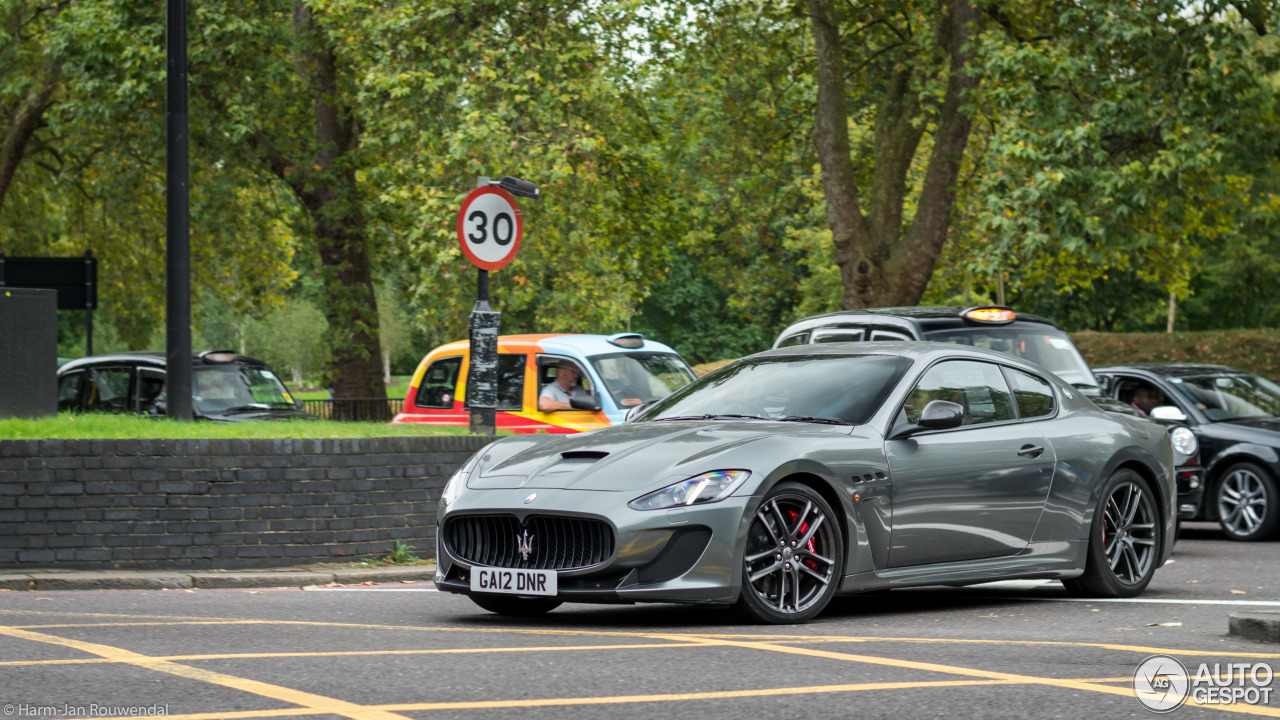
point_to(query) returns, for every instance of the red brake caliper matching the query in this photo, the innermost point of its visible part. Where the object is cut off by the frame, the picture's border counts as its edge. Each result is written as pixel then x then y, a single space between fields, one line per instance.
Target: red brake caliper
pixel 804 526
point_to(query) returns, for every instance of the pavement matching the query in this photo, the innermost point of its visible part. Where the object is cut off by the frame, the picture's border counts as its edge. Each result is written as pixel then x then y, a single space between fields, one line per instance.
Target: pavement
pixel 302 576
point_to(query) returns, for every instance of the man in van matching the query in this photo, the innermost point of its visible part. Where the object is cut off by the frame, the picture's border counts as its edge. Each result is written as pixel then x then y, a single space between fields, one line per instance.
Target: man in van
pixel 556 395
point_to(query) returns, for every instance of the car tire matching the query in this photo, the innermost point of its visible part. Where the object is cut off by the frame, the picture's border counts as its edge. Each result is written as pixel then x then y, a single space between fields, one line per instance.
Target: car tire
pixel 1247 502
pixel 515 606
pixel 1124 540
pixel 793 558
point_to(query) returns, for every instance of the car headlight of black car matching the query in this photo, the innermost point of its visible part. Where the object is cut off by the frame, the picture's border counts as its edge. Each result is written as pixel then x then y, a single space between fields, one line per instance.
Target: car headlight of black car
pixel 1184 441
pixel 698 490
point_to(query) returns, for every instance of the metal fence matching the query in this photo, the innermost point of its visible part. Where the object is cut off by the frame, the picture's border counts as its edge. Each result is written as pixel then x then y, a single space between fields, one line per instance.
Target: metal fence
pixel 355 409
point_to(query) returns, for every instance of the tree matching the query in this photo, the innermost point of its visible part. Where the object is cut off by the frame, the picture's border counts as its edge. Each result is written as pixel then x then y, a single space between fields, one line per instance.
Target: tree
pixel 29 72
pixel 912 70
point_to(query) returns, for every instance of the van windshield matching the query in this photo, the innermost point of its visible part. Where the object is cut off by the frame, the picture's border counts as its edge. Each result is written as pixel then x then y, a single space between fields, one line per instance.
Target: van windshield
pixel 1049 348
pixel 635 378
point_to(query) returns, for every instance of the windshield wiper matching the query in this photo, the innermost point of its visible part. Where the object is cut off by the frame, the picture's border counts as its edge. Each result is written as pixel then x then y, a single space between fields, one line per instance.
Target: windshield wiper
pixel 247 408
pixel 686 417
pixel 735 417
pixel 812 419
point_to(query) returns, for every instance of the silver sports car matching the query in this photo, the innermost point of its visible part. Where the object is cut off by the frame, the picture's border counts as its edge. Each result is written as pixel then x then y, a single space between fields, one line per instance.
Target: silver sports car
pixel 792 475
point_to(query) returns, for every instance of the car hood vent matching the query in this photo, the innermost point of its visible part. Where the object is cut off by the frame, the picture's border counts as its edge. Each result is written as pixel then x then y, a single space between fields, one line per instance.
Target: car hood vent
pixel 584 455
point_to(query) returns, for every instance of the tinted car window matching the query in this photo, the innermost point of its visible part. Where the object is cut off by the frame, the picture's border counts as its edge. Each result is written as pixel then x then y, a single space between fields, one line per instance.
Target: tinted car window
pixel 836 335
pixel 1049 348
pixel 150 389
pixel 108 390
pixel 69 392
pixel 1033 395
pixel 439 383
pixel 510 381
pixel 1222 396
pixel 848 388
pixel 797 339
pixel 977 387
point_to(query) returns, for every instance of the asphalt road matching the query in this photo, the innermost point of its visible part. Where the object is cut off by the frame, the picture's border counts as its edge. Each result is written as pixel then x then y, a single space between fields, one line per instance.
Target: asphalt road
pixel 1009 650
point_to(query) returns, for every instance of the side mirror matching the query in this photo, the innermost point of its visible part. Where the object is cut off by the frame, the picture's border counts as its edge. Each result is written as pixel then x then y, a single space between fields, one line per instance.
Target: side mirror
pixel 1168 412
pixel 584 402
pixel 937 415
pixel 635 410
pixel 941 415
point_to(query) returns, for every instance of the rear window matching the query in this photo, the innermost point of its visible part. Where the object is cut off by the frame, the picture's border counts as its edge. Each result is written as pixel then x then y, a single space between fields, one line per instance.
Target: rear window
pixel 1047 347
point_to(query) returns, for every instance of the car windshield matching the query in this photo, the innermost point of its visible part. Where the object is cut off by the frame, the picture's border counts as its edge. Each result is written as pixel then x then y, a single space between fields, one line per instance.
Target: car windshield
pixel 220 389
pixel 635 378
pixel 1225 396
pixel 1050 349
pixel 841 388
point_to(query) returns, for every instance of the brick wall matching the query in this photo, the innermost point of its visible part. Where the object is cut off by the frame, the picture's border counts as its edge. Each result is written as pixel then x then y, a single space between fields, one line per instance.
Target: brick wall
pixel 135 504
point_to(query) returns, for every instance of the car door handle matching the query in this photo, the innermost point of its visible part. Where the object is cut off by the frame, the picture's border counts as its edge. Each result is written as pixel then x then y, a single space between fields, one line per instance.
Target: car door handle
pixel 1030 451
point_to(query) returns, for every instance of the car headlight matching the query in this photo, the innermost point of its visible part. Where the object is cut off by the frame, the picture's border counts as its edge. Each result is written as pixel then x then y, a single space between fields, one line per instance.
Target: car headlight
pixel 1184 441
pixel 458 480
pixel 705 488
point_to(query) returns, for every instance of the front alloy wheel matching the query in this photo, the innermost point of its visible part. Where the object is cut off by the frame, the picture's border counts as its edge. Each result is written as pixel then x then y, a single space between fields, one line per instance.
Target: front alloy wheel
pixel 791 565
pixel 1247 503
pixel 1124 544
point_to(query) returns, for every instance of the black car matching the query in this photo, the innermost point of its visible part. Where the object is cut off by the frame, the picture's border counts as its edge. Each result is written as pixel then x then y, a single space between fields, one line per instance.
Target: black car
pixel 1234 415
pixel 226 386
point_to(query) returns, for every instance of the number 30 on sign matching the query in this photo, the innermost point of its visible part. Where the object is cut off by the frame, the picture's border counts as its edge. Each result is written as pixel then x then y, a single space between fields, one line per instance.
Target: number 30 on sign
pixel 489 228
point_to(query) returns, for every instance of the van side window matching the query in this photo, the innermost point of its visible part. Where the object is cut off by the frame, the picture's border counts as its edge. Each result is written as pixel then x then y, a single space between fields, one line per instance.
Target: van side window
pixel 836 335
pixel 511 381
pixel 69 392
pixel 109 390
pixel 439 383
pixel 797 339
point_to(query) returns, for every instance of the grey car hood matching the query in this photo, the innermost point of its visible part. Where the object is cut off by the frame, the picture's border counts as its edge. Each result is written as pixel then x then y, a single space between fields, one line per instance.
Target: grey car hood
pixel 629 457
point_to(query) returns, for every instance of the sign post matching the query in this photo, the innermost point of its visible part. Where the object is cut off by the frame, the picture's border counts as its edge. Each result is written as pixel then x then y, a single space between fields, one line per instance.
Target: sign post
pixel 489 231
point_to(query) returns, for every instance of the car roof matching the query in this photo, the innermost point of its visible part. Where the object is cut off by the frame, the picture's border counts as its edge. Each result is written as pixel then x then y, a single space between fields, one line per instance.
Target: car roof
pixel 920 351
pixel 1170 369
pixel 154 358
pixel 925 318
pixel 569 343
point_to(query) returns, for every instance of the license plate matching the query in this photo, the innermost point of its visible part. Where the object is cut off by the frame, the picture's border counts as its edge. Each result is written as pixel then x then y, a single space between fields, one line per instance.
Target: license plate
pixel 510 581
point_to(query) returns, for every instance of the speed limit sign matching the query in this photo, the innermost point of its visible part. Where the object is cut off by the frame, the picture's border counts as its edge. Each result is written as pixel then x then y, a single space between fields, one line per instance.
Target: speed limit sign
pixel 489 227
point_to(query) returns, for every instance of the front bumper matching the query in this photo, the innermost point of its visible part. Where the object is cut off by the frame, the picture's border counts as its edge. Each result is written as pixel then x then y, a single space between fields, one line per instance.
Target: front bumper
pixel 696 544
pixel 1190 480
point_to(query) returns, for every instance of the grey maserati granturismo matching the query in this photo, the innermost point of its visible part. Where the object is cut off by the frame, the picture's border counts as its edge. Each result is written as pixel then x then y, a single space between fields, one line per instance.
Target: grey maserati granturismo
pixel 792 475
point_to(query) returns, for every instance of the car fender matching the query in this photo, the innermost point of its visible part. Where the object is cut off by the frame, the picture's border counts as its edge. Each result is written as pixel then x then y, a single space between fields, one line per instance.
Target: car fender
pixel 1240 452
pixel 826 482
pixel 1158 472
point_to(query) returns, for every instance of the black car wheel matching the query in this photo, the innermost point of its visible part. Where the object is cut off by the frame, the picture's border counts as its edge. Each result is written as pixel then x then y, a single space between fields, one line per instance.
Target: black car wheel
pixel 515 606
pixel 793 558
pixel 1248 504
pixel 1124 542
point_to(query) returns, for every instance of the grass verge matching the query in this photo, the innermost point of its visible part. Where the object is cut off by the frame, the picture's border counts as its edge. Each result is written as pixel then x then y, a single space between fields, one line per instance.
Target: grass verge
pixel 123 426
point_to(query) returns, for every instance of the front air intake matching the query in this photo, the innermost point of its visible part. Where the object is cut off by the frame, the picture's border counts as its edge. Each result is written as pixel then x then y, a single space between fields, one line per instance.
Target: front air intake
pixel 543 542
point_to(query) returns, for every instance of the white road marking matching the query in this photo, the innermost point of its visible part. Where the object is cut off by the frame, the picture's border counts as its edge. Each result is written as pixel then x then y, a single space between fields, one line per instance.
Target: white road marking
pixel 368 589
pixel 1164 601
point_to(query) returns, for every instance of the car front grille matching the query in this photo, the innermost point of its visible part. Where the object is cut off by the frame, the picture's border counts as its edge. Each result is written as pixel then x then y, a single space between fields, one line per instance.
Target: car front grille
pixel 551 543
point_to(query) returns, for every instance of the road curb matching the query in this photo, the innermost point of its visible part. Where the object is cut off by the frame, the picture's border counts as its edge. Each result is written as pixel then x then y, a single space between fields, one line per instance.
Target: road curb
pixel 1261 626
pixel 211 579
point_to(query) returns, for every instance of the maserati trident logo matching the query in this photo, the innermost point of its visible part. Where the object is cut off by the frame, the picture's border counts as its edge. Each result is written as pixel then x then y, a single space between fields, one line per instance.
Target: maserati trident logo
pixel 524 544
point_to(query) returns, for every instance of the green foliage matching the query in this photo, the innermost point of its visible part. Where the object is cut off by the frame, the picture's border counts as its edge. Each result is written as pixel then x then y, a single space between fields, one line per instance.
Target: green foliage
pixel 1253 350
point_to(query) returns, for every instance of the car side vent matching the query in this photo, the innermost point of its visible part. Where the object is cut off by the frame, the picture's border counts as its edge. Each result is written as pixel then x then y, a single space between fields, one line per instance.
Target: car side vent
pixel 589 455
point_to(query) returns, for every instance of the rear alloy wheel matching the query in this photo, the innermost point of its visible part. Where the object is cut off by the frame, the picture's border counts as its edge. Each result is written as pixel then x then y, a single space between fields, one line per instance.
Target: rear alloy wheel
pixel 515 606
pixel 1248 506
pixel 793 558
pixel 1124 543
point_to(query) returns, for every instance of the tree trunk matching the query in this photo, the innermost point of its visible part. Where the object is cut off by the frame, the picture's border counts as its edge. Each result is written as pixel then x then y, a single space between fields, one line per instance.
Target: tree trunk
pixel 880 263
pixel 331 194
